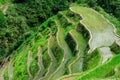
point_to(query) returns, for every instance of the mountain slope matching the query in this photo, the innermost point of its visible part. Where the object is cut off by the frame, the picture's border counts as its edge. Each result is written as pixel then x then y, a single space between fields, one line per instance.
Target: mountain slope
pixel 61 48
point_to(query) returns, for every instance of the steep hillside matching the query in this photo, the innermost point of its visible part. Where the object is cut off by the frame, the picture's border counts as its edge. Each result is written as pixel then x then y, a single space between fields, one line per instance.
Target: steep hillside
pixel 76 44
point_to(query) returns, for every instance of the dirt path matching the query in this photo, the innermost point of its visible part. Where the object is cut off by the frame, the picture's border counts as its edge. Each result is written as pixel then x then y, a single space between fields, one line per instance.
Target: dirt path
pixel 40 64
pixel 2 70
pixel 10 70
pixel 4 7
pixel 29 60
pixel 118 41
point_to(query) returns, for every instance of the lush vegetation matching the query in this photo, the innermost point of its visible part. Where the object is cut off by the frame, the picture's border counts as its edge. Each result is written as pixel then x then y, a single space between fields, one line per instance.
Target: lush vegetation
pixel 5 1
pixel 24 17
pixel 48 39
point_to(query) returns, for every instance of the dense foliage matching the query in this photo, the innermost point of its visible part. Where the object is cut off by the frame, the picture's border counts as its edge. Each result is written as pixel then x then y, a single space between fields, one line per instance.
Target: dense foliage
pixel 60 48
pixel 111 6
pixel 22 18
pixel 2 19
pixel 47 40
pixel 5 1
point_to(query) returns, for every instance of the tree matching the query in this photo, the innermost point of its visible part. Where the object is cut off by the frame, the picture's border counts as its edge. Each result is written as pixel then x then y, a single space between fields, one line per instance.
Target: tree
pixel 92 3
pixel 111 6
pixel 20 1
pixel 2 19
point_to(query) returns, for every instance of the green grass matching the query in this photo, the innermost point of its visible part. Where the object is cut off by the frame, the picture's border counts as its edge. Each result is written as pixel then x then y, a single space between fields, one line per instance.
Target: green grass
pixel 53 62
pixel 117 73
pixel 61 39
pixel 6 74
pixel 63 13
pixel 102 69
pixel 22 47
pixel 57 57
pixel 77 64
pixel 20 67
pixel 92 60
pixel 60 71
pixel 5 1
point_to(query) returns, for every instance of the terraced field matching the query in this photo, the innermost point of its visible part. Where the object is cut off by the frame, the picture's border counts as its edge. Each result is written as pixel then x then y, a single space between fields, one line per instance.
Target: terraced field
pixel 77 64
pixel 59 51
pixel 102 32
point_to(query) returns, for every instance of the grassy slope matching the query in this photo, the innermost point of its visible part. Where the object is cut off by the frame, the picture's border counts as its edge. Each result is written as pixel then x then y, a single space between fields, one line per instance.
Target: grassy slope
pixel 94 22
pixel 40 64
pixel 77 64
pixel 74 75
pixel 102 69
pixel 53 64
pixel 42 39
pixel 5 1
pixel 67 52
pixel 92 60
pixel 112 19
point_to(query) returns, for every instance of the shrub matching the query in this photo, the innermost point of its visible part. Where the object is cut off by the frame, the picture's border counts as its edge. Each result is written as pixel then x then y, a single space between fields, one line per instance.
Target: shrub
pixel 2 19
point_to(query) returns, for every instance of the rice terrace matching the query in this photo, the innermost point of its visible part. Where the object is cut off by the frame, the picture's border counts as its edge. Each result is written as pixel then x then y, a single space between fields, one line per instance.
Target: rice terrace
pixel 59 40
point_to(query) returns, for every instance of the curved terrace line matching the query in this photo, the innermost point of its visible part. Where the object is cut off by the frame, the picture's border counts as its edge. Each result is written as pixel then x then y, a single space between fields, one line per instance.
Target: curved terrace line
pixel 29 60
pixel 68 19
pixel 53 63
pixel 40 64
pixel 64 47
pixel 2 70
pixel 105 67
pixel 69 77
pixel 10 70
pixel 97 26
pixel 81 45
